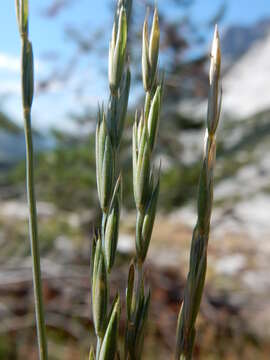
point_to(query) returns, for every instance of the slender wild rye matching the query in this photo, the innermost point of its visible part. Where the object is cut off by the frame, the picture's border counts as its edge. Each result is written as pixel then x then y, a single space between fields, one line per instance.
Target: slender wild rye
pixel 145 188
pixel 198 253
pixel 27 69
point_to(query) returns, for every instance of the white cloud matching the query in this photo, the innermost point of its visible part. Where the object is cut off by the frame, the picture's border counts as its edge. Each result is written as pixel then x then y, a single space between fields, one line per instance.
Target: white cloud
pixel 12 64
pixel 51 107
pixel 9 62
pixel 10 87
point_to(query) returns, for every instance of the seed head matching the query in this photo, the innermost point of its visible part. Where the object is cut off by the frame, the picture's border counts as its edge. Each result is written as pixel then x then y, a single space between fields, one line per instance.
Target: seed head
pixel 104 162
pixel 153 118
pixel 109 343
pixel 112 226
pixel 117 51
pixel 150 52
pixel 99 290
pixel 214 95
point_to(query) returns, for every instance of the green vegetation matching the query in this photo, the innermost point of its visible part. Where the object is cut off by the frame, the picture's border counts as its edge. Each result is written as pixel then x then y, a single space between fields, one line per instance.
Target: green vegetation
pixel 65 177
pixel 7 124
pixel 108 138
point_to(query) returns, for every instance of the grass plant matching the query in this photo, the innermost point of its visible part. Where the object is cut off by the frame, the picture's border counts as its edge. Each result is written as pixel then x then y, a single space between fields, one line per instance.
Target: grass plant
pixel 146 179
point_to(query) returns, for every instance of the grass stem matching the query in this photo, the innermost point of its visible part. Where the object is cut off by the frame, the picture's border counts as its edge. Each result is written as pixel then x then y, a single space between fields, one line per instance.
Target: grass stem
pixel 33 229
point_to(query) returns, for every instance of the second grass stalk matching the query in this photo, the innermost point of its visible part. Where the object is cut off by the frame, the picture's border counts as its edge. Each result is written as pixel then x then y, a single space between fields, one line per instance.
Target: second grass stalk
pixel 198 253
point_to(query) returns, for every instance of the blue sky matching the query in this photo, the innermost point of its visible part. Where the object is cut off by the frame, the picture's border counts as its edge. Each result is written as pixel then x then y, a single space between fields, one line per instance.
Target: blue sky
pixel 47 36
pixel 239 11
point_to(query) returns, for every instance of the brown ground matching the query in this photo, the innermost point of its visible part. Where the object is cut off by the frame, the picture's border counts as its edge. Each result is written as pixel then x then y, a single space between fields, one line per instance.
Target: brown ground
pixel 234 318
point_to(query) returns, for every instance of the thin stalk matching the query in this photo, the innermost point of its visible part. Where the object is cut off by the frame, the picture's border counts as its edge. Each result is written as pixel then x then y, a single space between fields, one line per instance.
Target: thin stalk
pixel 27 75
pixel 99 343
pixel 33 227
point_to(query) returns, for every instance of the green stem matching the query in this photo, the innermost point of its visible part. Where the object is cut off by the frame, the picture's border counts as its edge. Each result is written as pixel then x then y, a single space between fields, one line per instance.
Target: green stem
pixel 99 343
pixel 33 229
pixel 139 280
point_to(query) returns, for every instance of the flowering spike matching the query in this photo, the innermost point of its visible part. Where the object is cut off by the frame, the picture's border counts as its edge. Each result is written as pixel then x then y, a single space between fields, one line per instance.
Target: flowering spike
pixel 150 52
pixel 198 253
pixel 214 85
pixel 117 52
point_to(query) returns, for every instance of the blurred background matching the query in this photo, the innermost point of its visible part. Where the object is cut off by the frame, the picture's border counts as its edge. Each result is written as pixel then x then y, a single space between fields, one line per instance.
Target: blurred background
pixel 70 41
